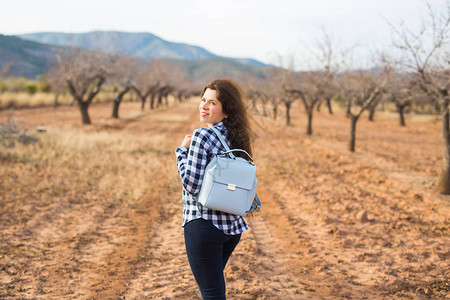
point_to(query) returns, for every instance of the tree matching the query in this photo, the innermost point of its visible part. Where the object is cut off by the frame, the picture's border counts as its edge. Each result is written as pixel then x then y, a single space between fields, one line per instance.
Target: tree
pixel 164 70
pixel 56 79
pixel 360 89
pixel 275 79
pixel 182 86
pixel 124 70
pixel 401 90
pixel 144 83
pixel 260 89
pixel 326 58
pixel 84 73
pixel 426 53
pixel 154 80
pixel 373 106
pixel 312 88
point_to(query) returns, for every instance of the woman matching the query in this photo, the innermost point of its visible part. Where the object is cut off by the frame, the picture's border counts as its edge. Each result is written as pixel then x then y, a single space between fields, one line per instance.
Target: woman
pixel 211 236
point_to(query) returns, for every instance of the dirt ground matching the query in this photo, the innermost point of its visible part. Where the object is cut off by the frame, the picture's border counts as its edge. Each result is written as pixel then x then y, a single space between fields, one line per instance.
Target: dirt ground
pixel 334 224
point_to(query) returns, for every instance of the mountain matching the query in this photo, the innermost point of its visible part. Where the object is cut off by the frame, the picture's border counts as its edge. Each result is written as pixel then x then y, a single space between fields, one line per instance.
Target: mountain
pixel 24 58
pixel 31 58
pixel 140 45
pixel 206 70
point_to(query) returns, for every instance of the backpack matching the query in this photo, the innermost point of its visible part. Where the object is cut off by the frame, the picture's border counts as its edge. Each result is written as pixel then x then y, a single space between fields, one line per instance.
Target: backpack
pixel 229 182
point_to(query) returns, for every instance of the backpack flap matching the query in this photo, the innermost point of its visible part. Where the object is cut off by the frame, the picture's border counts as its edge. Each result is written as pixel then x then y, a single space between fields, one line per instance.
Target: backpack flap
pixel 235 173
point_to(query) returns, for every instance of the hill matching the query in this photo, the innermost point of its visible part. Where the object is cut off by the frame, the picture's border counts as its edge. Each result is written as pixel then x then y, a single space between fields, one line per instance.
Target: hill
pixel 25 58
pixel 32 54
pixel 205 70
pixel 140 45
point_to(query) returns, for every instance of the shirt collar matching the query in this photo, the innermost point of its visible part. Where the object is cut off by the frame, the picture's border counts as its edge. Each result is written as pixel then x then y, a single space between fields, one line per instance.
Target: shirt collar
pixel 219 125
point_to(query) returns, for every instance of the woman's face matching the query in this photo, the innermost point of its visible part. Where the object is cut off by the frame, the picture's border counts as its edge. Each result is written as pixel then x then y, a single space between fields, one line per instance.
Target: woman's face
pixel 211 108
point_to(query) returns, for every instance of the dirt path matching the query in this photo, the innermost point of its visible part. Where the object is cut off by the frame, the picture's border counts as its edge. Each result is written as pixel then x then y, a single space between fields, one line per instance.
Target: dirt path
pixel 333 225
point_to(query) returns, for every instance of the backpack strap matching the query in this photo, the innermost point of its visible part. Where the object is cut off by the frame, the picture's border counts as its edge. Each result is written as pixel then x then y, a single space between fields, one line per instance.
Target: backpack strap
pixel 228 151
pixel 219 135
pixel 254 206
pixel 257 206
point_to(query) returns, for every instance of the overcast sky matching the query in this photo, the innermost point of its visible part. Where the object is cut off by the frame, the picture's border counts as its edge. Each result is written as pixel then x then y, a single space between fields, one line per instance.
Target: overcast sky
pixel 259 29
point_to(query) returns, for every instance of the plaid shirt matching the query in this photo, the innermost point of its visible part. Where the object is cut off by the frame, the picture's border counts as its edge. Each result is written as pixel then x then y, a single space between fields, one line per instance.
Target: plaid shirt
pixel 191 167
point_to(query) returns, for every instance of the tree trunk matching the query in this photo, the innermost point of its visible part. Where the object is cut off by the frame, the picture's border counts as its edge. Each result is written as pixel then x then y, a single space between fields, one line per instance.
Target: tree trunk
pixel 265 114
pixel 330 110
pixel 84 111
pixel 372 112
pixel 116 104
pixel 160 97
pixel 152 100
pixel 143 99
pixel 310 116
pixel 274 112
pixel 56 102
pixel 351 146
pixel 444 180
pixel 84 105
pixel 288 116
pixel 118 100
pixel 348 110
pixel 401 112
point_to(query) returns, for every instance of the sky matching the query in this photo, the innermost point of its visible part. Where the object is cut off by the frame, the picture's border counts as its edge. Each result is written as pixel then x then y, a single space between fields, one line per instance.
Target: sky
pixel 260 29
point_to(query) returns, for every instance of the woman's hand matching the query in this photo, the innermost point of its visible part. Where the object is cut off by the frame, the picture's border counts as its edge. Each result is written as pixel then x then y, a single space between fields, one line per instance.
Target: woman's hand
pixel 187 141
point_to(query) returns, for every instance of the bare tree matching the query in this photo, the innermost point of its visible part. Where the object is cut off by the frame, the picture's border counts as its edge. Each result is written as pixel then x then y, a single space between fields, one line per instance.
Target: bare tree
pixel 124 70
pixel 273 92
pixel 144 83
pixel 328 57
pixel 360 89
pixel 373 106
pixel 181 84
pixel 312 87
pixel 84 73
pixel 164 71
pixel 57 81
pixel 261 97
pixel 253 89
pixel 401 90
pixel 426 52
pixel 163 93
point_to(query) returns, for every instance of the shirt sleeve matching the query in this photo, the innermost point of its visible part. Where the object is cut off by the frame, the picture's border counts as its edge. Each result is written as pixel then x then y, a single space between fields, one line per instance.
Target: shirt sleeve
pixel 192 162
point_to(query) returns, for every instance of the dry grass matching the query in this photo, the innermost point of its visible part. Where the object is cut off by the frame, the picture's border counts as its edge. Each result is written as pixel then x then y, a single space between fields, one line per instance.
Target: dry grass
pixel 25 100
pixel 79 192
pixel 73 162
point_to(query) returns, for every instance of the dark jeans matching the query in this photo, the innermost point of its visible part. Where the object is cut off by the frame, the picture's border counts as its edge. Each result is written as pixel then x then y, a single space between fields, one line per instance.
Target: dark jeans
pixel 208 250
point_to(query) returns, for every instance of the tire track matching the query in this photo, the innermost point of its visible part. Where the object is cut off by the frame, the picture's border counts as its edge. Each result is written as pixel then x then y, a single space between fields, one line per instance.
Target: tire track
pixel 91 251
pixel 127 261
pixel 166 270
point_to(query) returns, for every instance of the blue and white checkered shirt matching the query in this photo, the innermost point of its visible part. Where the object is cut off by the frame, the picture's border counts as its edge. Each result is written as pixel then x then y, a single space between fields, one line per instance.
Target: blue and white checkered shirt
pixel 191 164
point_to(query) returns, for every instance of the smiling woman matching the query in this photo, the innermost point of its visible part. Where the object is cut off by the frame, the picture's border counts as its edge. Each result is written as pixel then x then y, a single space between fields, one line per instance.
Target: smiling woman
pixel 211 111
pixel 211 236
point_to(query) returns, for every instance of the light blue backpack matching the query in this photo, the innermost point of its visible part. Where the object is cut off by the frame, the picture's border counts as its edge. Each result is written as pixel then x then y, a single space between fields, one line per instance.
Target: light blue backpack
pixel 229 182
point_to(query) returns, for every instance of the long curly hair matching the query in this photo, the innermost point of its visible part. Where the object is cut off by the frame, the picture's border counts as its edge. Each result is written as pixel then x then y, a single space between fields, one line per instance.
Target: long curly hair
pixel 230 94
